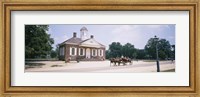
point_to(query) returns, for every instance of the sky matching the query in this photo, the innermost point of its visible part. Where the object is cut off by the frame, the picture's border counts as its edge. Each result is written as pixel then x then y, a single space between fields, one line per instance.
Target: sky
pixel 138 35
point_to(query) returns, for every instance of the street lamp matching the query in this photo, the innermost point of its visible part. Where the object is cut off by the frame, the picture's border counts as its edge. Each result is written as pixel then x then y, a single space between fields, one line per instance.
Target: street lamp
pixel 157 59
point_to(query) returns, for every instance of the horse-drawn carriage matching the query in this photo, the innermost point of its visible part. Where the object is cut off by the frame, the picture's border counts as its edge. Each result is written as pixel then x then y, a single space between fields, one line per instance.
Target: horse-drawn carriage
pixel 118 61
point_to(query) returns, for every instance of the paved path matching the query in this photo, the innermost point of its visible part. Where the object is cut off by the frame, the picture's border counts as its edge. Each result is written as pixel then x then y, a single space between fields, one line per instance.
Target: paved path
pixel 101 66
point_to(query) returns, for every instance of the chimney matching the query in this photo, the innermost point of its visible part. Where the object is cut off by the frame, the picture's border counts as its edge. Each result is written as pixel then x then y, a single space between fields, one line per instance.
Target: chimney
pixel 74 34
pixel 91 36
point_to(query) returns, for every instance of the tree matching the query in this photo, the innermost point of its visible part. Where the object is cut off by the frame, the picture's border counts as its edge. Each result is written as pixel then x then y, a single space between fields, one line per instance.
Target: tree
pixel 150 47
pixel 128 50
pixel 141 54
pixel 115 49
pixel 164 48
pixel 54 54
pixel 108 54
pixel 118 50
pixel 37 41
pixel 173 51
pixel 57 50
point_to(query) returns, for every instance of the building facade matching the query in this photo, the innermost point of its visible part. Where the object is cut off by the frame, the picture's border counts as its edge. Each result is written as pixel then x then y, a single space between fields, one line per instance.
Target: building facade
pixel 81 49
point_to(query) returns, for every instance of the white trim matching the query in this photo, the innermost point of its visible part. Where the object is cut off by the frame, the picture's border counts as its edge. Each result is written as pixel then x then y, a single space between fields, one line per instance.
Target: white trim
pixel 93 44
pixel 99 52
pixel 71 43
pixel 96 46
pixel 70 51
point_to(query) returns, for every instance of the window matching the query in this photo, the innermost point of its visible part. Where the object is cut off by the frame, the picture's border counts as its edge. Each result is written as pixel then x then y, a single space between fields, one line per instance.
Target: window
pixel 72 51
pixel 62 51
pixel 100 52
pixel 94 52
pixel 81 51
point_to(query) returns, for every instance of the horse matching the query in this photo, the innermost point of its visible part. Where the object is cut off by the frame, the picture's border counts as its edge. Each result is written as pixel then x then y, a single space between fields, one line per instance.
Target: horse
pixel 115 60
pixel 126 60
pixel 120 60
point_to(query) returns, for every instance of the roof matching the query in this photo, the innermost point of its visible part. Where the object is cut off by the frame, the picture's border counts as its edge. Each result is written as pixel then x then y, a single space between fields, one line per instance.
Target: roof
pixel 78 41
pixel 94 40
pixel 73 40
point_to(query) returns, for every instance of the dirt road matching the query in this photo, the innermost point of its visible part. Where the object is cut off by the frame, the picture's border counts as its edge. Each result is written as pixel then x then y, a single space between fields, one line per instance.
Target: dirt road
pixel 101 66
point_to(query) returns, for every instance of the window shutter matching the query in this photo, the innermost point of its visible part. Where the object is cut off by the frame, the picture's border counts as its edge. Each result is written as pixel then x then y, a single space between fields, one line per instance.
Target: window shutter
pixel 70 51
pixel 79 51
pixel 83 51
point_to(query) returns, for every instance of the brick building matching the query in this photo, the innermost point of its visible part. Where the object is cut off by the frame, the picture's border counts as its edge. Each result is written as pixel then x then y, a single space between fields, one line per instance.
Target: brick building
pixel 83 48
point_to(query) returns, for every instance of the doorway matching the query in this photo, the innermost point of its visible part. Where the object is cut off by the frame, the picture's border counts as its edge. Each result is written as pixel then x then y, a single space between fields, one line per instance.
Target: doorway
pixel 88 53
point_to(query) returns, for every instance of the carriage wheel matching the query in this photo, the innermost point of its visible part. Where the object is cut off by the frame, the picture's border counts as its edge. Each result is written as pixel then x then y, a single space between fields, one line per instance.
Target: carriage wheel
pixel 124 63
pixel 131 63
pixel 118 64
pixel 115 64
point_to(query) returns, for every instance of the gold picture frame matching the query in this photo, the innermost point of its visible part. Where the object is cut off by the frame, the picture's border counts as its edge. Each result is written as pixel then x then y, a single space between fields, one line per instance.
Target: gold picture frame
pixel 119 5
